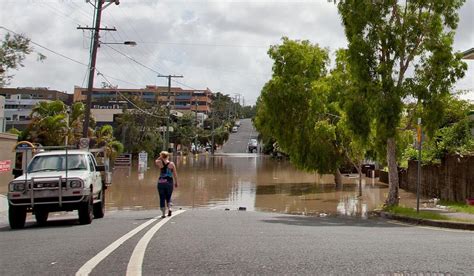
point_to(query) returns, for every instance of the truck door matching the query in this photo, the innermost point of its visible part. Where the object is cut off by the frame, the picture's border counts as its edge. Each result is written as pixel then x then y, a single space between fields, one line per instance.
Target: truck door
pixel 96 178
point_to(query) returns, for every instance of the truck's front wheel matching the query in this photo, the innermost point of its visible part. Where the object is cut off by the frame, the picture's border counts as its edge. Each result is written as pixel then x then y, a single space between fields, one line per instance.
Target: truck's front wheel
pixel 17 216
pixel 86 211
pixel 99 207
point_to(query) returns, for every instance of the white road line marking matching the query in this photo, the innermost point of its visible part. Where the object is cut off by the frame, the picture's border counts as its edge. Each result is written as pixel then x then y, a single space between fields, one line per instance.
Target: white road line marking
pixel 92 263
pixel 135 263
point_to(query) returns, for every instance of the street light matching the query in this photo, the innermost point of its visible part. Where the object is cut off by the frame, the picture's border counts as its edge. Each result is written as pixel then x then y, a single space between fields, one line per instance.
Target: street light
pixel 129 43
pixel 91 76
pixel 99 6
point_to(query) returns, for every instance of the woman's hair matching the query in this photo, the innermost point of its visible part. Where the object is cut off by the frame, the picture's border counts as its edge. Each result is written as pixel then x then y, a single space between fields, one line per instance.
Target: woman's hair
pixel 164 154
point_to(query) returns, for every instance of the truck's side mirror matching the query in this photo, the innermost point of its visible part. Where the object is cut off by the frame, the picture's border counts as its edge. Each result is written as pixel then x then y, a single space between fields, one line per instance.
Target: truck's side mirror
pixel 17 172
pixel 100 168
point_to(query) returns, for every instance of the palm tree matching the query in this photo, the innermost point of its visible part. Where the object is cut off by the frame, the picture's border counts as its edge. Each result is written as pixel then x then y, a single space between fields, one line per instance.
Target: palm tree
pixel 51 123
pixel 48 123
pixel 76 117
pixel 104 137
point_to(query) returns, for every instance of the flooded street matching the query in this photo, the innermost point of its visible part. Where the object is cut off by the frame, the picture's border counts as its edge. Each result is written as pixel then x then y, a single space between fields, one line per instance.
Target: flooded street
pixel 255 182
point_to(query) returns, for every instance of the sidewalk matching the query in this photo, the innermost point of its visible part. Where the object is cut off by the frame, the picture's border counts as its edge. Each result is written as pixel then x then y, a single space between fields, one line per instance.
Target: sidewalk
pixel 3 204
pixel 466 220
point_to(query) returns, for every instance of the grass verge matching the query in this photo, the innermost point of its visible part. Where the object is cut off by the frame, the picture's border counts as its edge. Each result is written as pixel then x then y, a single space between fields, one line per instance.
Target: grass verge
pixel 458 207
pixel 410 212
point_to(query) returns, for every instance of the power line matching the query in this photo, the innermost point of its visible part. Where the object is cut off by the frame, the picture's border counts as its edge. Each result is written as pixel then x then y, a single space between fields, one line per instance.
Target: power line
pixel 138 69
pixel 132 59
pixel 64 56
pixel 60 13
pixel 204 44
pixel 46 48
pixel 145 66
pixel 132 103
pixel 122 39
pixel 146 48
pixel 123 74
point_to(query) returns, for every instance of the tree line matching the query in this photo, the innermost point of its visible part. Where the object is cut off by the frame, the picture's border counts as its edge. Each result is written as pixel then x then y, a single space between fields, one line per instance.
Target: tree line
pixel 399 65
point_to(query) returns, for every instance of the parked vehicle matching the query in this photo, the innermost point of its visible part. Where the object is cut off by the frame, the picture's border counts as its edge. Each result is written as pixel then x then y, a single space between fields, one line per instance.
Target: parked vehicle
pixel 252 145
pixel 58 180
pixel 235 129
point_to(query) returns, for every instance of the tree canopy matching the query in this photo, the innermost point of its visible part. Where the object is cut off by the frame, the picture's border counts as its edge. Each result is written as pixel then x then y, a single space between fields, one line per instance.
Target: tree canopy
pixel 398 50
pixel 13 50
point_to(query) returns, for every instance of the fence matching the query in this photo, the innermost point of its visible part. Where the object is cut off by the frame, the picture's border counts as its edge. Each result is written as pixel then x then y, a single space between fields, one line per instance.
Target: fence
pixel 451 180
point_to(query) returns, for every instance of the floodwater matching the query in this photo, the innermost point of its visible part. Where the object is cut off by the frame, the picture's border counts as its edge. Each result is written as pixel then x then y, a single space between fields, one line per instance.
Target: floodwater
pixel 253 181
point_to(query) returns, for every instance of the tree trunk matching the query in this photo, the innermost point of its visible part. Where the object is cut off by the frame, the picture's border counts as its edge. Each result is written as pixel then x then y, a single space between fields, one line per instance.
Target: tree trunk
pixel 359 170
pixel 392 199
pixel 338 179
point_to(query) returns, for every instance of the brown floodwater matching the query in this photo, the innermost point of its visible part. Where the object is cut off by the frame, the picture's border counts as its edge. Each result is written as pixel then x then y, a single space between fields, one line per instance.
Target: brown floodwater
pixel 255 182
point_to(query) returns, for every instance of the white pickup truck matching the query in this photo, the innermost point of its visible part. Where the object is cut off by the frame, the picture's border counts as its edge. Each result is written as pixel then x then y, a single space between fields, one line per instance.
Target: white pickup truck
pixel 58 181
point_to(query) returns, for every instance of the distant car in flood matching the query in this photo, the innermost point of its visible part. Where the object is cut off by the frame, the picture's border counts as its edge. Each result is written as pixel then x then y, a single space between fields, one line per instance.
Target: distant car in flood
pixel 252 145
pixel 235 129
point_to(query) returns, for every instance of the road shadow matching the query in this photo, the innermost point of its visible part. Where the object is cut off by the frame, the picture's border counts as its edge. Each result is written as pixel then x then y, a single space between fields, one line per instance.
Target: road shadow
pixel 332 221
pixel 53 223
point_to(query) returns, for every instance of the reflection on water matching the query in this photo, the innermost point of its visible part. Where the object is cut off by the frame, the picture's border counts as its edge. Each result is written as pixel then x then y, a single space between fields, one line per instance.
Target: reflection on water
pixel 247 180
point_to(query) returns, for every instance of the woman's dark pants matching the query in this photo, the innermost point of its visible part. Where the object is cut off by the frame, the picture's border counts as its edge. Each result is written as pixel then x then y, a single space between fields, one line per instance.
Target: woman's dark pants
pixel 165 190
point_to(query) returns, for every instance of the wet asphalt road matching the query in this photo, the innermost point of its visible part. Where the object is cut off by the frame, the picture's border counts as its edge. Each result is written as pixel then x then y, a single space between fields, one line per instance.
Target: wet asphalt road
pixel 199 242
pixel 238 141
pixel 203 242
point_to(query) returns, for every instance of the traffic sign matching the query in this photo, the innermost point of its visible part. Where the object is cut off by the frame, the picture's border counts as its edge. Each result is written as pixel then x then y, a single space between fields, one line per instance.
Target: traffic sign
pixel 84 143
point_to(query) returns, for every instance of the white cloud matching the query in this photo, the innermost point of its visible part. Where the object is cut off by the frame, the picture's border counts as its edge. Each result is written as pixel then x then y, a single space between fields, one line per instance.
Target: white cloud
pixel 217 44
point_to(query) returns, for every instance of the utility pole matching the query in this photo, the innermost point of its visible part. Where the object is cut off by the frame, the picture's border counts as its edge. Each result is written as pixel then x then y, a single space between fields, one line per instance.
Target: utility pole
pixel 168 110
pixel 419 138
pixel 212 133
pixel 197 125
pixel 95 44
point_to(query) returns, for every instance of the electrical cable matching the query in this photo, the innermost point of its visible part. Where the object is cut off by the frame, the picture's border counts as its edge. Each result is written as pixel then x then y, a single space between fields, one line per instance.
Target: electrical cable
pixel 132 103
pixel 139 70
pixel 59 12
pixel 64 56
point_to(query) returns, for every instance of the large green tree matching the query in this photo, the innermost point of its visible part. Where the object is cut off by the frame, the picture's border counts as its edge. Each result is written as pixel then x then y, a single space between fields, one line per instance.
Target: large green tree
pixel 452 136
pixel 139 129
pixel 299 107
pixel 185 130
pixel 398 49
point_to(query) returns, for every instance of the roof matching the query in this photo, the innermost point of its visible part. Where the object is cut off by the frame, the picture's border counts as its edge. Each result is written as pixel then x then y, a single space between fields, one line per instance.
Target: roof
pixel 62 152
pixel 469 54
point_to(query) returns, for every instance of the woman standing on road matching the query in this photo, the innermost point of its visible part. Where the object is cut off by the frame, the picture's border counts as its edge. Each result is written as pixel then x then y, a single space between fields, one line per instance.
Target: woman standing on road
pixel 165 182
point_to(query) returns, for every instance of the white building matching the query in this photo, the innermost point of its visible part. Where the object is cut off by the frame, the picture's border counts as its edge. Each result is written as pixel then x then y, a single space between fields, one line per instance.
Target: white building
pixel 18 111
pixel 19 103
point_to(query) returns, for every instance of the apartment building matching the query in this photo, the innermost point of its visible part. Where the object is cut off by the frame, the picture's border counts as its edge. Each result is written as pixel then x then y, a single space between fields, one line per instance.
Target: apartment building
pixel 107 103
pixel 19 103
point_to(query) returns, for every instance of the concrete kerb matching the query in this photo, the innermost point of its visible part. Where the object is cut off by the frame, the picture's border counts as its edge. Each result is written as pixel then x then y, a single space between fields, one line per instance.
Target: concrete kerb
pixel 3 204
pixel 426 222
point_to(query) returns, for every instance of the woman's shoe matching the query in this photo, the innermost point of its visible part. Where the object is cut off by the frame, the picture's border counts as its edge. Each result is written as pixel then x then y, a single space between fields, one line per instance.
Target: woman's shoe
pixel 163 216
pixel 169 213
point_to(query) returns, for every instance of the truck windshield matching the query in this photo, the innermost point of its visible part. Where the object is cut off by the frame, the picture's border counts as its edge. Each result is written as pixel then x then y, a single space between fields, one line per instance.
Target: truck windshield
pixel 57 163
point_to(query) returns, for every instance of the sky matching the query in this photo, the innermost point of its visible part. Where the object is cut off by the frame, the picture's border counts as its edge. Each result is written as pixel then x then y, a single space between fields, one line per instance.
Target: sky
pixel 217 44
